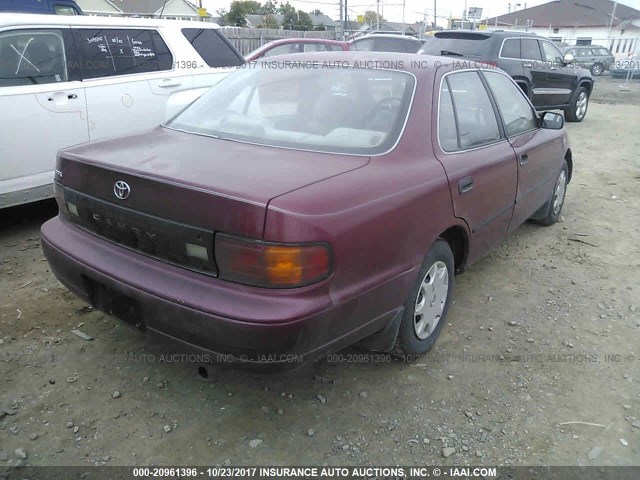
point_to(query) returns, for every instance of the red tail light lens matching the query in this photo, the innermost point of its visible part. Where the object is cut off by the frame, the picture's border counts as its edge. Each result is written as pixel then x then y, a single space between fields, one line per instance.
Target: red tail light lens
pixel 265 264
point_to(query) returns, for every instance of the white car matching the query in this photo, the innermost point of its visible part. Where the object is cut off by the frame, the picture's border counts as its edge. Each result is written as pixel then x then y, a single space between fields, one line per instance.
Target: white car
pixel 68 80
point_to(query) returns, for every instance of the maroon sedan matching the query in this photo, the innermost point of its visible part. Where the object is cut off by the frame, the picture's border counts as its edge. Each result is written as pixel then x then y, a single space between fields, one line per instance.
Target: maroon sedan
pixel 296 45
pixel 295 211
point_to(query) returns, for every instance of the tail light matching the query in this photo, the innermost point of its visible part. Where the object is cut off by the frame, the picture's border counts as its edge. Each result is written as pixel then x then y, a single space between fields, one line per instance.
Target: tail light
pixel 267 264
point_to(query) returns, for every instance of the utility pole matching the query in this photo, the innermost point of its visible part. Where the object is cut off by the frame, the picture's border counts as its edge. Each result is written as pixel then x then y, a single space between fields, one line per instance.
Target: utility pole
pixel 403 2
pixel 434 14
pixel 613 14
pixel 200 5
pixel 378 15
pixel 346 16
pixel 342 22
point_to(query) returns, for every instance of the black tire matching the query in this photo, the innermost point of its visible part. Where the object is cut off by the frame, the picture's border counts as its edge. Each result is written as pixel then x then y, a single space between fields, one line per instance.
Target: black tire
pixel 555 209
pixel 573 114
pixel 597 69
pixel 408 344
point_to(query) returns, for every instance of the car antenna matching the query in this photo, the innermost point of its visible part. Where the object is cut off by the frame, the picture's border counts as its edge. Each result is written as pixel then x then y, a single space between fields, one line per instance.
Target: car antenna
pixel 163 5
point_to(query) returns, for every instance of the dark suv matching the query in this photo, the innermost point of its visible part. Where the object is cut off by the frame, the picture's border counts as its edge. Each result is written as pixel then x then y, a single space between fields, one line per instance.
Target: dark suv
pixel 549 79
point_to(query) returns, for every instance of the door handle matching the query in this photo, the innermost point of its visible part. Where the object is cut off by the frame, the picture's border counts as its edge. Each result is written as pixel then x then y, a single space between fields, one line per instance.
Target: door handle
pixel 71 96
pixel 169 84
pixel 527 64
pixel 465 185
pixel 524 158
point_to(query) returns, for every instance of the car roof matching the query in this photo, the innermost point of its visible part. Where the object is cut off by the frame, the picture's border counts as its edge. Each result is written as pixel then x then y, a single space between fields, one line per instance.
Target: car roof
pixel 284 41
pixel 385 35
pixel 20 19
pixel 482 33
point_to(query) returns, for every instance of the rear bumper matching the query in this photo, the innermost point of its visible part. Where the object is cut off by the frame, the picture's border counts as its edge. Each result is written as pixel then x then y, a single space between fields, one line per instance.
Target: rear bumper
pixel 233 322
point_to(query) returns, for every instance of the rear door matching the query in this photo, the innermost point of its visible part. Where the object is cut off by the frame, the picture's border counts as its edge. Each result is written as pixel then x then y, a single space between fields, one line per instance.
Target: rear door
pixel 535 68
pixel 43 107
pixel 538 155
pixel 480 163
pixel 128 74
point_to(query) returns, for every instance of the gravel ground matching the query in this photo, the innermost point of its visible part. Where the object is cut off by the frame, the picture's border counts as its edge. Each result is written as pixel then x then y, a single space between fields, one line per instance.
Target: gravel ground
pixel 539 363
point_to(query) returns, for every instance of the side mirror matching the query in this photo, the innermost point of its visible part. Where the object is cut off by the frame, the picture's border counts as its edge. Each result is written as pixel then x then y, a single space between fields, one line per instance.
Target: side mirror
pixel 552 121
pixel 568 58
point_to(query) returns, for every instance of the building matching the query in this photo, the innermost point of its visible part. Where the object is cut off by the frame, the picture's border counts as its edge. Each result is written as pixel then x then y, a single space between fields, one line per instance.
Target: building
pixel 172 9
pixel 579 22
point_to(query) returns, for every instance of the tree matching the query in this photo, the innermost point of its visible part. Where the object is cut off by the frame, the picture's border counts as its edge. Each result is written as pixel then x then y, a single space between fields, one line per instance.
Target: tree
pixel 371 18
pixel 317 12
pixel 238 10
pixel 297 20
pixel 270 7
pixel 286 9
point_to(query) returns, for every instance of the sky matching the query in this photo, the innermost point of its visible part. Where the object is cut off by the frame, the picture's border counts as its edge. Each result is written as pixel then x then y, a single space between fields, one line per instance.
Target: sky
pixel 414 9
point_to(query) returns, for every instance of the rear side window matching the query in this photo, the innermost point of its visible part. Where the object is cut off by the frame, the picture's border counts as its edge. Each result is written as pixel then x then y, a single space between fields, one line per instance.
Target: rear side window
pixel 602 51
pixel 31 57
pixel 214 49
pixel 62 10
pixel 283 50
pixel 511 48
pixel 390 45
pixel 447 131
pixel 530 49
pixel 467 44
pixel 109 52
pixel 475 118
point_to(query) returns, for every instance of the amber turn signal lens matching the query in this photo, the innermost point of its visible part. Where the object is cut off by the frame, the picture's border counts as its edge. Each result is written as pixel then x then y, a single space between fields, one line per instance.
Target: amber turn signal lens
pixel 270 265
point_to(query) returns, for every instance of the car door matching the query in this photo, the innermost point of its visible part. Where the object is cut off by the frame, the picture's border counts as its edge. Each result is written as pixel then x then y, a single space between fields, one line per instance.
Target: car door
pixel 535 149
pixel 128 74
pixel 480 163
pixel 534 67
pixel 43 109
pixel 560 78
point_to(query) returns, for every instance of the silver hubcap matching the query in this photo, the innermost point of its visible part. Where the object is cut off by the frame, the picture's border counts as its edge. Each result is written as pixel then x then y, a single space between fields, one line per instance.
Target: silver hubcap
pixel 558 192
pixel 581 105
pixel 432 297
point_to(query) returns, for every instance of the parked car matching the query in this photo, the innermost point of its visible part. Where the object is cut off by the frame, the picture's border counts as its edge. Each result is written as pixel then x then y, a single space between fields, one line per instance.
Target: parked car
pixel 58 7
pixel 627 68
pixel 368 190
pixel 592 57
pixel 550 79
pixel 296 45
pixel 70 80
pixel 386 42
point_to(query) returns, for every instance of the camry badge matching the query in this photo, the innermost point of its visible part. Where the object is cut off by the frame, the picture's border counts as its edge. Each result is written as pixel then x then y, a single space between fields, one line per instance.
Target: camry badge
pixel 121 190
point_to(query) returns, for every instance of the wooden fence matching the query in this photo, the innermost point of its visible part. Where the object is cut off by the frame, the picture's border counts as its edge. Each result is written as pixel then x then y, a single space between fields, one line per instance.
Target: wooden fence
pixel 248 39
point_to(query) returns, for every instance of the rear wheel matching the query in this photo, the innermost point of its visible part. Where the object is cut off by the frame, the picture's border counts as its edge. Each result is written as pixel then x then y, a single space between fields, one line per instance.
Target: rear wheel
pixel 428 303
pixel 579 105
pixel 597 69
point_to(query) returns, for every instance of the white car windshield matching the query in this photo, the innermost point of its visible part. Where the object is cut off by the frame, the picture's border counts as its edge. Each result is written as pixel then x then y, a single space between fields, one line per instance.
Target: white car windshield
pixel 340 110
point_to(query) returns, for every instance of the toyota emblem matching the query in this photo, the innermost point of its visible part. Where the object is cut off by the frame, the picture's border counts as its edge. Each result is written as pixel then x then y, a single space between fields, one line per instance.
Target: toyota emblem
pixel 121 190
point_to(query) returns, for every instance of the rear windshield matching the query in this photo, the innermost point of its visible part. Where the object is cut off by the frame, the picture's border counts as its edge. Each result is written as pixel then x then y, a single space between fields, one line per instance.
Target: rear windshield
pixel 457 44
pixel 347 110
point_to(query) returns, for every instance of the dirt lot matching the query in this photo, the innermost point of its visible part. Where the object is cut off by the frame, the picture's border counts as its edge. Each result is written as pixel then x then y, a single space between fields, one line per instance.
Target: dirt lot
pixel 544 334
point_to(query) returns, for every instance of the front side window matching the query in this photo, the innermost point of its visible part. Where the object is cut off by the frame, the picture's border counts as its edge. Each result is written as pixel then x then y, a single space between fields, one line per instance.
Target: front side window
pixel 551 53
pixel 511 48
pixel 351 110
pixel 365 45
pixel 517 114
pixel 476 119
pixel 390 45
pixel 32 57
pixel 585 52
pixel 212 47
pixel 108 52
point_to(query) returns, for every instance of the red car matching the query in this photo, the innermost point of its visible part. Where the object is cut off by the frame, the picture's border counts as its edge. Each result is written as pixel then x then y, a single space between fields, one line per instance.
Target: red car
pixel 291 212
pixel 296 45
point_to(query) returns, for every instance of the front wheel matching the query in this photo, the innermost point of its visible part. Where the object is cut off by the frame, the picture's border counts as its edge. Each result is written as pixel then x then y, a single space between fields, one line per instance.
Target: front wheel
pixel 579 105
pixel 428 303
